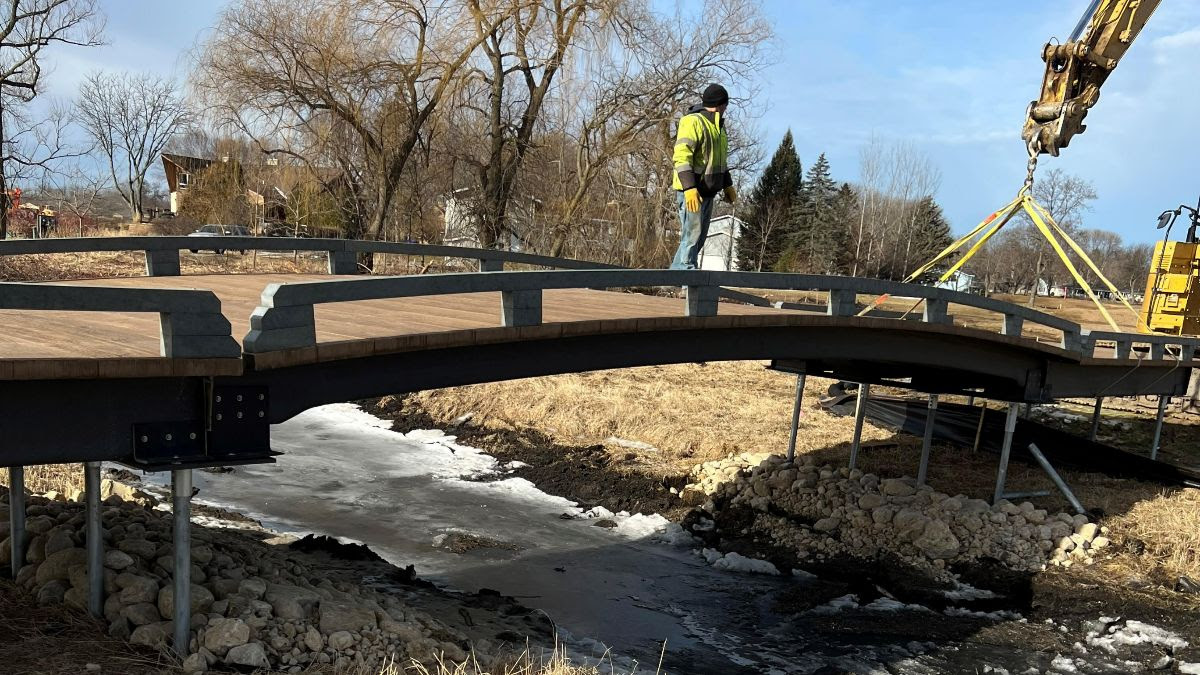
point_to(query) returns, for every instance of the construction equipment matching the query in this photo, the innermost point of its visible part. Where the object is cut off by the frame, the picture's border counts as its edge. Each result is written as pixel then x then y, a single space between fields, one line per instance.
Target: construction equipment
pixel 1076 69
pixel 1172 301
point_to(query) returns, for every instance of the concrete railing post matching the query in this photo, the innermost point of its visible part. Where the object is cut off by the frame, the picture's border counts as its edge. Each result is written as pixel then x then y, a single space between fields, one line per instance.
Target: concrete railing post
pixel 162 263
pixel 936 311
pixel 1013 325
pixel 343 262
pixel 702 300
pixel 196 335
pixel 1072 340
pixel 521 308
pixel 842 302
pixel 491 265
pixel 274 328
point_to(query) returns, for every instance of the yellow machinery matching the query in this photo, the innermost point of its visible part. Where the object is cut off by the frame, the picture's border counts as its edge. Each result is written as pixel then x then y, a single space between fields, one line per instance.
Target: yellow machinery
pixel 1172 301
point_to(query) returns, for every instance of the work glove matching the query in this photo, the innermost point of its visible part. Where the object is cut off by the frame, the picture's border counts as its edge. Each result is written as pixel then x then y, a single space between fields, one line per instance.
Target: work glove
pixel 730 194
pixel 691 200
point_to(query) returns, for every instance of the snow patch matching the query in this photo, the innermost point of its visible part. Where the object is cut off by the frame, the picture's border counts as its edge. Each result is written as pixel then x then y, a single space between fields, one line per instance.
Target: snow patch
pixel 963 591
pixel 736 562
pixel 1135 633
pixel 1063 664
pixel 836 605
pixel 890 605
pixel 1189 668
pixel 998 615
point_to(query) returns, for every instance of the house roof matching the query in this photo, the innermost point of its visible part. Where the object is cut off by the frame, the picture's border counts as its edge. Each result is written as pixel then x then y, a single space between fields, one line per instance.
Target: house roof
pixel 186 163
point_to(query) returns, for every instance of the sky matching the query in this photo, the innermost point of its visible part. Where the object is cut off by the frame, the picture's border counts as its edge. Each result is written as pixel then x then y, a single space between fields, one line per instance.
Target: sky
pixel 951 77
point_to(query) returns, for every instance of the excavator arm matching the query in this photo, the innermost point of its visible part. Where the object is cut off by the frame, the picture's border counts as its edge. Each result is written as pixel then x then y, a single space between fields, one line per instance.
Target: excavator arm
pixel 1076 69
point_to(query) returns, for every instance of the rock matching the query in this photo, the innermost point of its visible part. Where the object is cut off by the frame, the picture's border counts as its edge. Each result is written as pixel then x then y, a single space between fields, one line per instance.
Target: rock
pixel 35 525
pixel 152 634
pixel 341 640
pixel 139 547
pixel 117 560
pixel 253 588
pixel 195 664
pixel 75 597
pixel 910 524
pixel 344 616
pixel 871 501
pixel 1100 542
pixel 1088 531
pixel 223 588
pixel 896 487
pixel 58 540
pixel 826 524
pixel 201 599
pixel 312 640
pixel 252 655
pixel 883 515
pixel 937 541
pixel 136 588
pixel 90 667
pixel 52 592
pixel 26 576
pixel 141 614
pixel 291 602
pixel 222 634
pixel 58 565
pixel 202 554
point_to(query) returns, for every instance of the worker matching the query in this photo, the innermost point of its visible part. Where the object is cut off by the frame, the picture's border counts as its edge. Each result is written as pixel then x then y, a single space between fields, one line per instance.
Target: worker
pixel 701 172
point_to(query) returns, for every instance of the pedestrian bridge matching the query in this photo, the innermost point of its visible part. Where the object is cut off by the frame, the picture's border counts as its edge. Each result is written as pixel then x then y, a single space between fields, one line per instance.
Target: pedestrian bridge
pixel 191 370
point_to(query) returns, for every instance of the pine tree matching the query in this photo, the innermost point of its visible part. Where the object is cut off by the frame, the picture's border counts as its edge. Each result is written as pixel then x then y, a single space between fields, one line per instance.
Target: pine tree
pixel 930 233
pixel 845 215
pixel 770 210
pixel 820 238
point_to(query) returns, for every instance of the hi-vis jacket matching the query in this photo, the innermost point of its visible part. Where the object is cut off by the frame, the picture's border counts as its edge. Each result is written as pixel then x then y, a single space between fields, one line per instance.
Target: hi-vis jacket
pixel 702 153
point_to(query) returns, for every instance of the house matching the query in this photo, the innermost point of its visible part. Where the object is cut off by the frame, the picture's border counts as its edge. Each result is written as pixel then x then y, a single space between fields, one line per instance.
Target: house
pixel 959 281
pixel 720 248
pixel 180 171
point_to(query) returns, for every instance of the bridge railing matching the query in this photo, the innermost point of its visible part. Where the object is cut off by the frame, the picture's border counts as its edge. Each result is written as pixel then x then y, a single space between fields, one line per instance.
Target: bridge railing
pixel 162 253
pixel 1182 348
pixel 285 318
pixel 190 321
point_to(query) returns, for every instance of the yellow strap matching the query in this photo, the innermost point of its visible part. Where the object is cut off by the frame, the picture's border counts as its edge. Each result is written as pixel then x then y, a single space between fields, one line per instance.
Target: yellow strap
pixel 962 240
pixel 979 244
pixel 1045 230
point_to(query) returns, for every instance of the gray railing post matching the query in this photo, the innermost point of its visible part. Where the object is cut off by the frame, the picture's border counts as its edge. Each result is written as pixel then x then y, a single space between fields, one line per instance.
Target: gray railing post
pixel 935 311
pixel 274 328
pixel 95 540
pixel 16 517
pixel 1013 325
pixel 702 300
pixel 162 263
pixel 1072 340
pixel 181 595
pixel 521 308
pixel 196 335
pixel 1158 351
pixel 842 302
pixel 1123 348
pixel 491 265
pixel 343 262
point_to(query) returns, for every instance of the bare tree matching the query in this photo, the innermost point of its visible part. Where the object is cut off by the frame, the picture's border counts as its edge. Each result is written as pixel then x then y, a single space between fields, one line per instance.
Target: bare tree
pixel 130 117
pixel 27 28
pixel 345 83
pixel 77 191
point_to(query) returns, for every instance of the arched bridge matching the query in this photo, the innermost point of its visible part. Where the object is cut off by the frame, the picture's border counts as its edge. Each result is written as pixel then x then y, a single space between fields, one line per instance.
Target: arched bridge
pixel 186 371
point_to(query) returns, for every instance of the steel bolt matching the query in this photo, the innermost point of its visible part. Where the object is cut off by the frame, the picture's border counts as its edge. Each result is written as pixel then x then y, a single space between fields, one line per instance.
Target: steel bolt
pixel 218 417
pixel 167 437
pixel 192 435
pixel 239 397
pixel 145 439
pixel 218 399
pixel 239 414
pixel 261 397
pixel 261 414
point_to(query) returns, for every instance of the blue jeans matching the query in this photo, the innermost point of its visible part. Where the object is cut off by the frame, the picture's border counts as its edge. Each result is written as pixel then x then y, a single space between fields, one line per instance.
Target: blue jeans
pixel 693 230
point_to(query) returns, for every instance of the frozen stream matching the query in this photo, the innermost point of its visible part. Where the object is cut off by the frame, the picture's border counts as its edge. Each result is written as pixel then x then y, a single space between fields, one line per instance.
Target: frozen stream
pixel 345 473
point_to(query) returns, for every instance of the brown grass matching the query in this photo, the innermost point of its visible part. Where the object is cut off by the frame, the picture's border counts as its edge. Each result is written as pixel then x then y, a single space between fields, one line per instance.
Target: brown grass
pixel 554 663
pixel 61 478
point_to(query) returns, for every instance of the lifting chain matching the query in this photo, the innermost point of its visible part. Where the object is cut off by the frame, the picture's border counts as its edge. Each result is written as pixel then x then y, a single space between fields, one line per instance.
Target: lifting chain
pixel 1033 146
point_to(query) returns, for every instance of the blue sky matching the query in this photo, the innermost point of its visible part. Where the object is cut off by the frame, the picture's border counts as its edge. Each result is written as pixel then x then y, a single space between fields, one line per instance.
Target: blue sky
pixel 952 77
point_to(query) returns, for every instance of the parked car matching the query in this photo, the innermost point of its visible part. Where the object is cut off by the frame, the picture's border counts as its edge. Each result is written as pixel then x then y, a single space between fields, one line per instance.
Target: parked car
pixel 220 231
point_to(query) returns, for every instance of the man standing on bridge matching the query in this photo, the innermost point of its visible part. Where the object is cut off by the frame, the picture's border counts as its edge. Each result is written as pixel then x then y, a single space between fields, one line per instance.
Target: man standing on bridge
pixel 701 171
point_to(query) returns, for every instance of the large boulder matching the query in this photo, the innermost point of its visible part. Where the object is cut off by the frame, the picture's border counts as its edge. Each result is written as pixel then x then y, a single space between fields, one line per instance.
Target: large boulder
pixel 52 592
pixel 58 565
pixel 897 487
pixel 291 602
pixel 220 635
pixel 136 588
pixel 201 599
pixel 152 634
pixel 345 616
pixel 341 640
pixel 251 654
pixel 138 547
pixel 58 539
pixel 937 541
pixel 141 614
pixel 117 560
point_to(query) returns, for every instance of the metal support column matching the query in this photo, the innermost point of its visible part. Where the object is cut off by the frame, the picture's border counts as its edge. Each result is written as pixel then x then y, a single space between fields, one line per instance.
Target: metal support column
pixel 181 504
pixel 1010 425
pixel 1158 424
pixel 860 413
pixel 95 540
pixel 927 441
pixel 791 451
pixel 16 516
pixel 979 430
pixel 971 401
pixel 1096 419
pixel 1058 481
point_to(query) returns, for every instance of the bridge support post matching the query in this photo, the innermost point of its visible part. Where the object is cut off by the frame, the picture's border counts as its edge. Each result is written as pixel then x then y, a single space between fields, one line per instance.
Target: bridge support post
pixel 521 308
pixel 162 263
pixel 16 517
pixel 860 413
pixel 841 302
pixel 343 262
pixel 702 300
pixel 1158 425
pixel 791 451
pixel 979 429
pixel 181 504
pixel 1010 425
pixel 1058 481
pixel 1092 433
pixel 95 539
pixel 927 441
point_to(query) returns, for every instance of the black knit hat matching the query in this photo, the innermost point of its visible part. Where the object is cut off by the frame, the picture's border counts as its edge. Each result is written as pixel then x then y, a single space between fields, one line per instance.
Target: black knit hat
pixel 714 96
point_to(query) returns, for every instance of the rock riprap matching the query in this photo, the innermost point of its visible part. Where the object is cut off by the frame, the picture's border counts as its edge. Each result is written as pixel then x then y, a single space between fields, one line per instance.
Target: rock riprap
pixel 819 512
pixel 253 605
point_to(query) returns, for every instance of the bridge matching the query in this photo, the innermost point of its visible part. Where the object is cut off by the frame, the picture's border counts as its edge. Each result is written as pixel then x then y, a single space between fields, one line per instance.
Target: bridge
pixel 170 372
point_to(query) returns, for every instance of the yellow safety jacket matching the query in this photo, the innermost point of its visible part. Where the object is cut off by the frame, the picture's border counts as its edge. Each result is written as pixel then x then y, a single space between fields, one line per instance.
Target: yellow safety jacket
pixel 702 153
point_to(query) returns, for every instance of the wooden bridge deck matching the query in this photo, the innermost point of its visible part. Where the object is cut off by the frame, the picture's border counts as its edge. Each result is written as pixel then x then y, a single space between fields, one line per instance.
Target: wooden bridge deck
pixel 50 343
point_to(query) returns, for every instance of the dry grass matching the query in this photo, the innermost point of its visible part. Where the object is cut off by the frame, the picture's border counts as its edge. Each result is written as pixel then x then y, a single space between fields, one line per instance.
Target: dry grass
pixel 61 478
pixel 1168 525
pixel 555 663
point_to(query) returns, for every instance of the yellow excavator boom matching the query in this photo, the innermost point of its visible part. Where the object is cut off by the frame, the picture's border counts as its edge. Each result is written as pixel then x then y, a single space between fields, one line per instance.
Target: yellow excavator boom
pixel 1077 68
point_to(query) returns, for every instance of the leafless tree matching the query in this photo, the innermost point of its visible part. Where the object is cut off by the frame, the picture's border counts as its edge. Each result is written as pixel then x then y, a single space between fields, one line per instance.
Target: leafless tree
pixel 77 191
pixel 130 118
pixel 27 27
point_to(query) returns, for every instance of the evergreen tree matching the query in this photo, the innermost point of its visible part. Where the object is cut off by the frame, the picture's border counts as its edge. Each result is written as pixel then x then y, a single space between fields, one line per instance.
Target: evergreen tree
pixel 770 210
pixel 930 233
pixel 845 215
pixel 820 237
